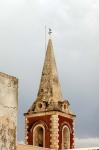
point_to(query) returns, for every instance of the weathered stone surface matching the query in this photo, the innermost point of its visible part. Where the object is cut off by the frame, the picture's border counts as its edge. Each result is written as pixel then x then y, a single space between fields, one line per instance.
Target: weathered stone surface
pixel 54 132
pixel 30 147
pixel 49 95
pixel 8 111
pixel 8 96
pixel 7 134
pixel 49 100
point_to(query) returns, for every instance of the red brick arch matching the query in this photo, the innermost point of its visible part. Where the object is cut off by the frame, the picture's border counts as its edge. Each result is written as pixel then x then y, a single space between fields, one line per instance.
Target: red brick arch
pixel 66 124
pixel 37 123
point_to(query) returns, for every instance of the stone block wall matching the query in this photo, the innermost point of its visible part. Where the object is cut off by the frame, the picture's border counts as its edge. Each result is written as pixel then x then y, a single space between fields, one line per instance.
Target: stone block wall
pixel 90 148
pixel 30 147
pixel 8 111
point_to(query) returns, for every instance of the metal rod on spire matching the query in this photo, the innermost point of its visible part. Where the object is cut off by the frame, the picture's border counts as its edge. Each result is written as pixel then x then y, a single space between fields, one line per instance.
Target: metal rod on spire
pixel 50 31
pixel 45 37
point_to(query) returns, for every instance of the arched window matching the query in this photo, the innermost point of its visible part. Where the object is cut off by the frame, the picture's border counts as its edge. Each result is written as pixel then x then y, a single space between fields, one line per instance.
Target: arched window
pixel 39 136
pixel 65 137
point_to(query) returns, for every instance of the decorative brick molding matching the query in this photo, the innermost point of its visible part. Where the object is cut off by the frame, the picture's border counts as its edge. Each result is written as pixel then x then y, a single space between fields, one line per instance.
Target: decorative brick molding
pixel 39 123
pixel 66 124
pixel 73 145
pixel 54 132
pixel 26 132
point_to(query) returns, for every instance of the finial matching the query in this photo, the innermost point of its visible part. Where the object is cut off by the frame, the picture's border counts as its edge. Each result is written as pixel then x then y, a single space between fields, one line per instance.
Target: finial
pixel 50 31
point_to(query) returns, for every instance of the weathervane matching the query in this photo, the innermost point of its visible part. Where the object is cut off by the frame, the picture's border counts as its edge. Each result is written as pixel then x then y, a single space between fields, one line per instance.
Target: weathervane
pixel 50 31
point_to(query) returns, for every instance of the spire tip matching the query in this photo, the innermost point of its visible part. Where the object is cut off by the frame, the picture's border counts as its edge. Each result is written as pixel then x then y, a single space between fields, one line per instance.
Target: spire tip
pixel 50 31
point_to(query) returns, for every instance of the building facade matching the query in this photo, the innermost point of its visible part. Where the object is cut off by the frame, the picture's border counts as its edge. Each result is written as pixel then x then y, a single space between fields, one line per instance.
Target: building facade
pixel 8 111
pixel 49 122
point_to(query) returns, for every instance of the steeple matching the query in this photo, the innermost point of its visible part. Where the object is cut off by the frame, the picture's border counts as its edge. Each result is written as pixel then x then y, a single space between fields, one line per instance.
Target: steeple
pixel 49 95
pixel 49 122
pixel 49 89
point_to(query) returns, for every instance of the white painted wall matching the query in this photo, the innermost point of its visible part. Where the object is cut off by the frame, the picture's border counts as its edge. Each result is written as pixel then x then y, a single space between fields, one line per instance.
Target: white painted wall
pixel 8 96
pixel 8 111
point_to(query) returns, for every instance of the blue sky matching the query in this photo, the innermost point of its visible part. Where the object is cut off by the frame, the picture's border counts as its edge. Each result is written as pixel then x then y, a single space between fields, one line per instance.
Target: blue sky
pixel 75 26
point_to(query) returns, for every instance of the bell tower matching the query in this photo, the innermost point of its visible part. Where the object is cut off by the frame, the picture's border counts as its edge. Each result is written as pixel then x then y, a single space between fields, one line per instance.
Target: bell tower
pixel 49 122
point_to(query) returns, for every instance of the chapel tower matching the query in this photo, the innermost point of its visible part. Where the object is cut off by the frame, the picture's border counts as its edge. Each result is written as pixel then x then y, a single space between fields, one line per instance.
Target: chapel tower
pixel 49 122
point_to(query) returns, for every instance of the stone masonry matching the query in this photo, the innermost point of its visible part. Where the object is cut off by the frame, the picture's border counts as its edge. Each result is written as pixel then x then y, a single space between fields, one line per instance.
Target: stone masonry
pixel 54 132
pixel 50 114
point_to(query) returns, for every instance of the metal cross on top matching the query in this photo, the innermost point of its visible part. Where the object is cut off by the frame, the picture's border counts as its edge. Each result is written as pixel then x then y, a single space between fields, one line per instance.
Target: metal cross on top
pixel 50 31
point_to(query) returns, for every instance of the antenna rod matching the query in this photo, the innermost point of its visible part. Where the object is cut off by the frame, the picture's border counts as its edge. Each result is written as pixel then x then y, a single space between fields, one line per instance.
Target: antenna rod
pixel 45 37
pixel 50 32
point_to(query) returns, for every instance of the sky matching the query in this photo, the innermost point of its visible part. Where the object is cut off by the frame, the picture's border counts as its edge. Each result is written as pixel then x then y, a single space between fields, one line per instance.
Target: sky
pixel 75 27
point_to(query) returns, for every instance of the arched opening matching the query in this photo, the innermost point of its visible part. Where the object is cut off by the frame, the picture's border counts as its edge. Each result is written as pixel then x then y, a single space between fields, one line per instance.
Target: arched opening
pixel 39 136
pixel 66 137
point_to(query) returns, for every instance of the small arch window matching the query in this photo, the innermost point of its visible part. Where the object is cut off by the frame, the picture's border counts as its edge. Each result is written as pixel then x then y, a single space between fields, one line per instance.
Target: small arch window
pixel 65 137
pixel 39 136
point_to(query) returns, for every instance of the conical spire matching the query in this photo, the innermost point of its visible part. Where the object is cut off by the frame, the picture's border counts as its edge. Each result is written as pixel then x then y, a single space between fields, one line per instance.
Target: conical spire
pixel 49 96
pixel 49 89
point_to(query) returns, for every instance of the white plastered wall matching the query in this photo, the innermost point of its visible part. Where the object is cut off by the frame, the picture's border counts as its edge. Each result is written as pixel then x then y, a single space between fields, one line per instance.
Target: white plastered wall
pixel 8 111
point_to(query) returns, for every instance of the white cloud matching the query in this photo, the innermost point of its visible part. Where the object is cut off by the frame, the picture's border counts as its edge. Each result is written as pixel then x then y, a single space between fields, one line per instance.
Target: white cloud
pixel 75 26
pixel 20 142
pixel 86 142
